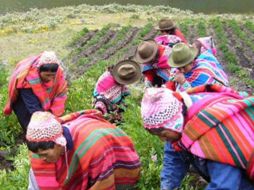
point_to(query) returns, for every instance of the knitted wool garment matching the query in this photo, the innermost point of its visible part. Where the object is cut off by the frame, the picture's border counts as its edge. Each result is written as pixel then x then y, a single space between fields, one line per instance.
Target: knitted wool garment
pixel 160 109
pixel 43 127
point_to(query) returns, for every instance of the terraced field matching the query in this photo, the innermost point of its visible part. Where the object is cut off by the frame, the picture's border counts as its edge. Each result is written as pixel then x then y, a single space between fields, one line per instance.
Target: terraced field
pixel 232 38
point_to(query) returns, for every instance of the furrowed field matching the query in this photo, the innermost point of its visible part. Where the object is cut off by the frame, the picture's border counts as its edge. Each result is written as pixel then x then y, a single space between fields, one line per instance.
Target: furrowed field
pixel 88 39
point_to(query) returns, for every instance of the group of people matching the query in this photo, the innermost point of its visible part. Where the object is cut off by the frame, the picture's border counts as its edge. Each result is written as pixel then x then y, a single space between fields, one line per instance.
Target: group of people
pixel 187 102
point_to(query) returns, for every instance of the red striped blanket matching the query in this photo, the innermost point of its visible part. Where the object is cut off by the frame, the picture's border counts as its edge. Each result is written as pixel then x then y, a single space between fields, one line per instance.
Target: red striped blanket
pixel 222 128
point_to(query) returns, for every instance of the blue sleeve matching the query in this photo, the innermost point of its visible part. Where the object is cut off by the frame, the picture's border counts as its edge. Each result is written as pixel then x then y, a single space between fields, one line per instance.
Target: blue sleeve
pixel 30 100
pixel 224 176
pixel 200 79
pixel 174 168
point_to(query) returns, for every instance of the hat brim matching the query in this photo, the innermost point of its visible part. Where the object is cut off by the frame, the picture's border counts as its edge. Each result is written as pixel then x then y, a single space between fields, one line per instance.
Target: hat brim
pixel 194 53
pixel 134 79
pixel 169 28
pixel 153 55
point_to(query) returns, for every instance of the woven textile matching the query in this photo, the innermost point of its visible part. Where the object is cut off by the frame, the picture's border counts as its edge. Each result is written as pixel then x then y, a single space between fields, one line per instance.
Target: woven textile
pixel 167 40
pixel 206 71
pixel 52 95
pixel 103 157
pixel 108 88
pixel 160 68
pixel 207 44
pixel 220 127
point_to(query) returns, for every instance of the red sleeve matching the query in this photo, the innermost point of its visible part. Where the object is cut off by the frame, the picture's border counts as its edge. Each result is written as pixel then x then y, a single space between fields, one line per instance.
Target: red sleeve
pixel 170 85
pixel 149 75
pixel 180 35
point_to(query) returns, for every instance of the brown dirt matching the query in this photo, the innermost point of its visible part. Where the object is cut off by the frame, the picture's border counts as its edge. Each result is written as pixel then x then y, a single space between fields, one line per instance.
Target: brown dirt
pixel 132 33
pixel 83 40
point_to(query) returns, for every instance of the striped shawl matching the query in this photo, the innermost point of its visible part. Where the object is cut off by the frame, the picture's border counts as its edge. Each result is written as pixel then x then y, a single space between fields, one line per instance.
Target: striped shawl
pixel 221 128
pixel 103 157
pixel 51 95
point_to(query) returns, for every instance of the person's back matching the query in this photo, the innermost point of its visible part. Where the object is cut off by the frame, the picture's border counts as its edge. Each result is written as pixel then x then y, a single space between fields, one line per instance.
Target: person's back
pixel 209 126
pixel 98 156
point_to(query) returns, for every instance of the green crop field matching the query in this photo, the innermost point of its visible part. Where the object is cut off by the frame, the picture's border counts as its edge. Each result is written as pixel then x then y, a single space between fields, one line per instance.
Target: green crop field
pixel 88 39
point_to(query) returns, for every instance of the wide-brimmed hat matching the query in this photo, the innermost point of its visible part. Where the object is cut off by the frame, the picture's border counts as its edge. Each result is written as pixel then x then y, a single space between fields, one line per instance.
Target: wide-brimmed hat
pixel 126 72
pixel 161 109
pixel 146 51
pixel 166 24
pixel 182 54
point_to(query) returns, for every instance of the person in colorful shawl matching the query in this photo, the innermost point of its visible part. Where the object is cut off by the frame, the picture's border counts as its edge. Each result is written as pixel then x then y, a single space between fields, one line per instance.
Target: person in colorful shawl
pixel 191 68
pixel 111 88
pixel 80 151
pixel 211 127
pixel 168 28
pixel 154 61
pixel 36 84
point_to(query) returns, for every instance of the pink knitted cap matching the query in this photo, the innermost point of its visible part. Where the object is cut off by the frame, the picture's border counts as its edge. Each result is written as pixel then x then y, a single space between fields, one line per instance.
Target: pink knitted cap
pixel 43 127
pixel 160 109
pixel 48 57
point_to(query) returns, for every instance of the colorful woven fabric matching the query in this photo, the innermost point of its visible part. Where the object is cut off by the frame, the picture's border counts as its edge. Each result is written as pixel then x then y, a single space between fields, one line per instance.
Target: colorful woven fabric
pixel 207 44
pixel 206 72
pixel 103 157
pixel 107 87
pixel 52 95
pixel 160 68
pixel 220 127
pixel 167 40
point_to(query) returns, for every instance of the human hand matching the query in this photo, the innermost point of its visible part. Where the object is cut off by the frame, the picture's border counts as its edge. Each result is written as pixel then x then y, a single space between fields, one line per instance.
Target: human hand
pixel 179 78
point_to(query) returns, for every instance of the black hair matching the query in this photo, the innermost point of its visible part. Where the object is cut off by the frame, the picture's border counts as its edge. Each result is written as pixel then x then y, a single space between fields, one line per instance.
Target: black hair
pixel 171 31
pixel 155 130
pixel 35 146
pixel 51 67
pixel 110 68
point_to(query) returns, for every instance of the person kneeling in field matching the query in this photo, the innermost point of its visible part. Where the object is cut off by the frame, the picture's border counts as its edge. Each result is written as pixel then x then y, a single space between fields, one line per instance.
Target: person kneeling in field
pixel 209 126
pixel 111 89
pixel 80 151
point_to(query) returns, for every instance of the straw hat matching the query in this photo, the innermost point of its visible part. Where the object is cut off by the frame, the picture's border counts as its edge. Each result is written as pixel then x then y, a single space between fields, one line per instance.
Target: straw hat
pixel 182 54
pixel 126 72
pixel 166 24
pixel 146 51
pixel 161 109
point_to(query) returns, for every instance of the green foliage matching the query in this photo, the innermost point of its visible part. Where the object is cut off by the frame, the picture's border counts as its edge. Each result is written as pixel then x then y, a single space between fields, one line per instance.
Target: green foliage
pixel 9 128
pixel 249 25
pixel 18 178
pixel 240 33
pixel 201 28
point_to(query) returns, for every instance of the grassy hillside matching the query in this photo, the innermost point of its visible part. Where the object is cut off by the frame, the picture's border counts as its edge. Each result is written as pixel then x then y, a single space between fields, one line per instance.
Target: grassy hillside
pixel 88 39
